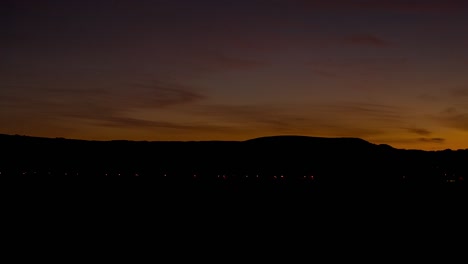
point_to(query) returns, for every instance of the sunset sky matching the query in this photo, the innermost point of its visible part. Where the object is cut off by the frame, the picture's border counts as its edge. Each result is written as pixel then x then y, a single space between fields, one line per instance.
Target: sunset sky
pixel 390 72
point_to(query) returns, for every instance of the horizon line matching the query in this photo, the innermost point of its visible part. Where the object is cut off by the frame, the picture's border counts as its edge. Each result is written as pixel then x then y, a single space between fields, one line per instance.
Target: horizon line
pixel 250 139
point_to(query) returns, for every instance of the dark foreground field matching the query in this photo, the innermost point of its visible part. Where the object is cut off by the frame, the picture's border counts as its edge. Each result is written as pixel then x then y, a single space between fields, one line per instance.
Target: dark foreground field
pixel 172 214
pixel 43 177
pixel 147 190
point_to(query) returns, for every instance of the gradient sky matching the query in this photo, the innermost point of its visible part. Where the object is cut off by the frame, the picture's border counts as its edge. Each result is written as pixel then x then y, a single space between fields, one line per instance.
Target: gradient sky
pixel 390 72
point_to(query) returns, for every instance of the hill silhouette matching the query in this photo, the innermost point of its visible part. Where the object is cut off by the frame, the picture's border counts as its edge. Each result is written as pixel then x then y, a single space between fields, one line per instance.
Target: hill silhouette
pixel 292 158
pixel 260 178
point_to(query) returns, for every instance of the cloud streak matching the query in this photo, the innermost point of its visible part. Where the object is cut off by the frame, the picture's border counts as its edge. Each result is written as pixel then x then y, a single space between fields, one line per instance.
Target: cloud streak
pixel 454 118
pixel 367 110
pixel 129 122
pixel 459 92
pixel 273 119
pixel 398 6
pixel 160 95
pixel 419 131
pixel 101 106
pixel 369 40
pixel 432 140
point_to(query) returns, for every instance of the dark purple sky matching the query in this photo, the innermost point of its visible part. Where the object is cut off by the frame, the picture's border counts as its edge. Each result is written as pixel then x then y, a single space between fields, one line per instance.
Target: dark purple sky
pixel 391 72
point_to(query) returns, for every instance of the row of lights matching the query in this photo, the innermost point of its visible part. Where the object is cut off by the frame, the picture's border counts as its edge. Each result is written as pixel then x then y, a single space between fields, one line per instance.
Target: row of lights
pixel 224 176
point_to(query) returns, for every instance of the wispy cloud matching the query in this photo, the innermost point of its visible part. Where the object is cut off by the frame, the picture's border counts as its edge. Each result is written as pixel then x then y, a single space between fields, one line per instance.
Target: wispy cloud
pixel 369 40
pixel 419 131
pixel 235 63
pixel 129 122
pixel 101 105
pixel 264 116
pixel 400 6
pixel 429 6
pixel 273 119
pixel 367 110
pixel 432 140
pixel 428 97
pixel 355 68
pixel 454 117
pixel 459 92
pixel 208 63
pixel 414 143
pixel 160 95
pixel 453 96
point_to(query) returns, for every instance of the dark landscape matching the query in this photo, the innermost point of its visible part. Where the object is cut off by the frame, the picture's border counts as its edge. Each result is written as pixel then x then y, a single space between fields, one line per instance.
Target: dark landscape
pixel 267 184
pixel 279 165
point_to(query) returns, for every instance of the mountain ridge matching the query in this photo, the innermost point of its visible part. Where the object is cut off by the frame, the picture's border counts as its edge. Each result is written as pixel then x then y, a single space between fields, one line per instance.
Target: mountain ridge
pixel 348 161
pixel 285 138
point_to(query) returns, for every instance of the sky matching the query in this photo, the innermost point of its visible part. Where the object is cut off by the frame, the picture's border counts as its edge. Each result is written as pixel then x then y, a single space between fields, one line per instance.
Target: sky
pixel 390 71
